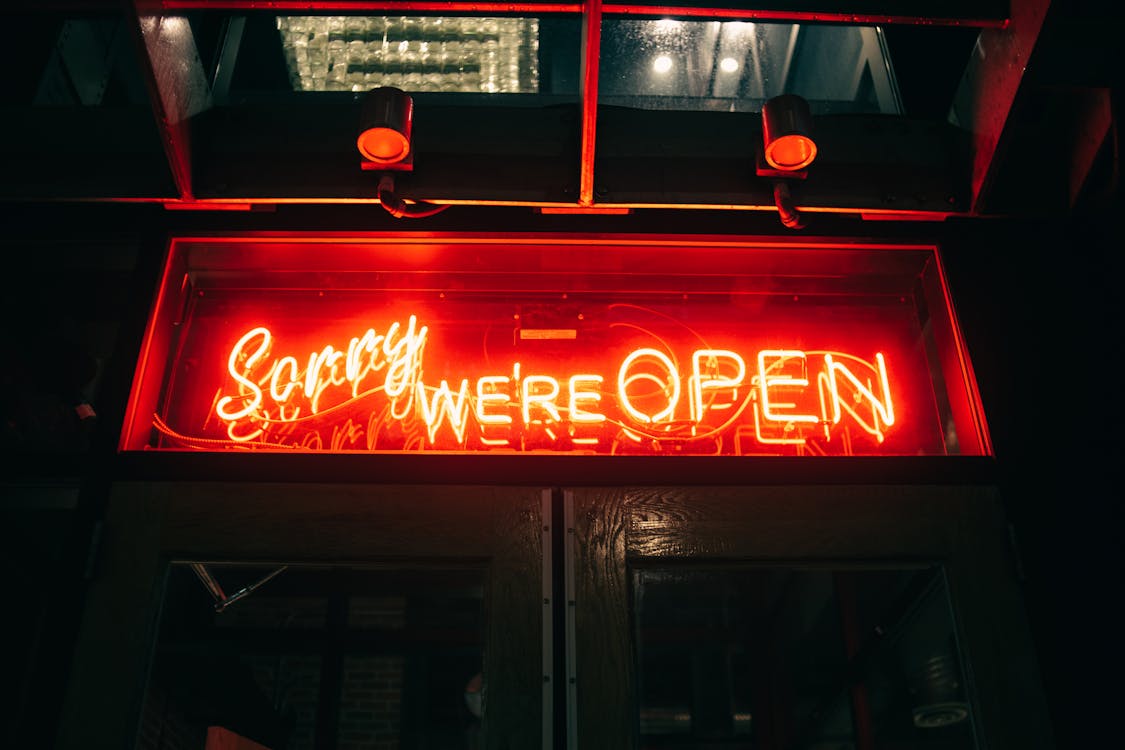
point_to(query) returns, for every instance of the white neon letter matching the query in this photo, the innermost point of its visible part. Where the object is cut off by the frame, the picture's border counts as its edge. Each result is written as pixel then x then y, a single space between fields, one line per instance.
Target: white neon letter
pixel 577 415
pixel 700 383
pixel 880 409
pixel 672 383
pixel 367 347
pixel 545 400
pixel 498 395
pixel 765 382
pixel 443 404
pixel 282 396
pixel 405 357
pixel 244 382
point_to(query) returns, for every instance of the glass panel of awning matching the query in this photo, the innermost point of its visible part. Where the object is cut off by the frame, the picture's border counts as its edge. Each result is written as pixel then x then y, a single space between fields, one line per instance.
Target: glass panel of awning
pixel 416 53
pixel 476 59
pixel 735 66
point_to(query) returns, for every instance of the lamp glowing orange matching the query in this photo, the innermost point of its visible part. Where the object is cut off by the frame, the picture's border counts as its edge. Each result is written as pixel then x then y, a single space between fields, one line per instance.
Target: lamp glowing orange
pixel 786 133
pixel 386 118
pixel 384 145
pixel 791 152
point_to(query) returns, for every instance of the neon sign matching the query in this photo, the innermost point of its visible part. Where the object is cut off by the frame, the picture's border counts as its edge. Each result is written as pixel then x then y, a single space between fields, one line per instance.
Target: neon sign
pixel 372 392
pixel 661 349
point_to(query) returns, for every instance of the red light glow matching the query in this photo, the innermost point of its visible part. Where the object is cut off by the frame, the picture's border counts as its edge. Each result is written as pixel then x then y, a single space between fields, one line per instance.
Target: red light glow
pixel 352 395
pixel 383 145
pixel 293 348
pixel 791 152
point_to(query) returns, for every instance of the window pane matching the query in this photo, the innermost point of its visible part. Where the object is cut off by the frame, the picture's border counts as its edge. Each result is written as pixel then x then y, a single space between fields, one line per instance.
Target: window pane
pixel 415 53
pixel 736 66
pixel 319 657
pixel 259 55
pixel 758 658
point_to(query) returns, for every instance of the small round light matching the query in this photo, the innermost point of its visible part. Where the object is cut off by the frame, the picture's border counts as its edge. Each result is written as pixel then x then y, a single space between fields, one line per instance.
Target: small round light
pixel 383 145
pixel 728 64
pixel 791 152
pixel 662 64
pixel 385 123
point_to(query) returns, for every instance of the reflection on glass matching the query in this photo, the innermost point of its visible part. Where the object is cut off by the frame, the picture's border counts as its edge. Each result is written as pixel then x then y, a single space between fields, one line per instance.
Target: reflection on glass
pixel 763 658
pixel 358 53
pixel 319 657
pixel 736 65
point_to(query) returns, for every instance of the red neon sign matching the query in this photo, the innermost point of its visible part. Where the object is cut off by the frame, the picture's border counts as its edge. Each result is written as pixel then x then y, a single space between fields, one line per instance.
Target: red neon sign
pixel 791 397
pixel 516 370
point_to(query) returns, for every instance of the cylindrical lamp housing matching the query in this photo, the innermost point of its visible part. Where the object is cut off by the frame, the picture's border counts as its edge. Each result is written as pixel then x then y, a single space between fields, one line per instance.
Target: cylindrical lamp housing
pixel 787 133
pixel 386 118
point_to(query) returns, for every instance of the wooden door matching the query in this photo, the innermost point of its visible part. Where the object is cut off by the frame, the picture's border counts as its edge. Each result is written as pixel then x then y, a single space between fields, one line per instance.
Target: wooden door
pixel 753 680
pixel 332 532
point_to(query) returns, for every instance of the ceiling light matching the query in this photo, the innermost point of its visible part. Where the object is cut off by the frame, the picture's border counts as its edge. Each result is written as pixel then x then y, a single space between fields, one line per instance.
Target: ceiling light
pixel 728 64
pixel 662 64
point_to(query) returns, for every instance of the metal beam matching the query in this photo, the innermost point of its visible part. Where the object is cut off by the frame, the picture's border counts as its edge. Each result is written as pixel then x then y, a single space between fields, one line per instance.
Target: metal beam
pixel 369 6
pixel 973 13
pixel 988 89
pixel 588 77
pixel 225 60
pixel 177 85
pixel 856 13
pixel 1094 125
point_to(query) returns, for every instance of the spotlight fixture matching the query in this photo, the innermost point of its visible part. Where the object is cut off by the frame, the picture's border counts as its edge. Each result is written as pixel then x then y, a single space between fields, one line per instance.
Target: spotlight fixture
pixel 786 133
pixel 384 142
pixel 385 122
pixel 787 151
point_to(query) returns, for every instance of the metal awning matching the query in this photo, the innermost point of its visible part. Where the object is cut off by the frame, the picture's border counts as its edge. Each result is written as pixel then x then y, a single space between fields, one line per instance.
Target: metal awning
pixel 598 138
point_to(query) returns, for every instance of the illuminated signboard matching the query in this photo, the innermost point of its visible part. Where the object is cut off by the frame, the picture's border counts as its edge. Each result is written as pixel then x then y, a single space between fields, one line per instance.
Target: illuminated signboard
pixel 517 345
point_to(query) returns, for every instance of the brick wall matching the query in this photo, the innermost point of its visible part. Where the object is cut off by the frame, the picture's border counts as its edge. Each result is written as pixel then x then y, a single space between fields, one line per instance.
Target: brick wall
pixel 371 703
pixel 295 682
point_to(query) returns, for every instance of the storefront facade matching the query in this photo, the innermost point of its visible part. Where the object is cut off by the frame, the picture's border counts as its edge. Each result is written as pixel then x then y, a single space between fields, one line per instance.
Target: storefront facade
pixel 544 431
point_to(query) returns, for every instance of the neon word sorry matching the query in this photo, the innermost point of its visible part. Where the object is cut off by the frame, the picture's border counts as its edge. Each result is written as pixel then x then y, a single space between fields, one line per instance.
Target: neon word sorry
pixel 779 396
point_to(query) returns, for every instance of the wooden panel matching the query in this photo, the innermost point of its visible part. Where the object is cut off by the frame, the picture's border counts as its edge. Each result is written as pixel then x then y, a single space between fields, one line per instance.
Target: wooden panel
pixel 103 699
pixel 960 527
pixel 150 524
pixel 513 652
pixel 319 522
pixel 1003 676
pixel 605 710
pixel 788 523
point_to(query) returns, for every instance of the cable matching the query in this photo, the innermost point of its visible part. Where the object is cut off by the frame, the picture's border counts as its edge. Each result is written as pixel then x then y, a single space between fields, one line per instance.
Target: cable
pixel 399 208
pixel 790 216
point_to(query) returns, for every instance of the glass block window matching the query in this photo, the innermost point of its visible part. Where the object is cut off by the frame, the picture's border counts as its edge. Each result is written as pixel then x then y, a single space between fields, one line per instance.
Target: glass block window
pixel 414 53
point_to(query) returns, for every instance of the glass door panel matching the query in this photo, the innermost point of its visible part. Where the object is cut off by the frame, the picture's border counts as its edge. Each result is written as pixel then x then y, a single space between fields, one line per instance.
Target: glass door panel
pixel 757 657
